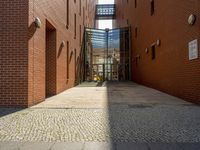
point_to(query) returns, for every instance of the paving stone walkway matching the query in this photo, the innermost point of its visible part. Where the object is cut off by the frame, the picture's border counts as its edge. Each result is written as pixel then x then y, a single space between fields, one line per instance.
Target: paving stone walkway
pixel 117 116
pixel 97 146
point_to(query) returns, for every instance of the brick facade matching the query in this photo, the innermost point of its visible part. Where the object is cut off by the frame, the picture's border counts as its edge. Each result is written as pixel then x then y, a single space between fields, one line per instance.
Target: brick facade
pixel 30 68
pixel 39 62
pixel 171 71
pixel 13 53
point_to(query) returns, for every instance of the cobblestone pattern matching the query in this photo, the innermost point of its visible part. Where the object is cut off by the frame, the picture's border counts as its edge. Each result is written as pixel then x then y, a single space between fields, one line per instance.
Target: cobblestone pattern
pixel 119 123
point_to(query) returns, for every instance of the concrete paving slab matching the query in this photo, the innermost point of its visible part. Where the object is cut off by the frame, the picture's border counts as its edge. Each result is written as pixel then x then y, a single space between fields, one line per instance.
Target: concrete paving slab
pixel 131 146
pixel 10 145
pixel 68 146
pixel 36 146
pixel 190 146
pixel 164 146
pixel 98 146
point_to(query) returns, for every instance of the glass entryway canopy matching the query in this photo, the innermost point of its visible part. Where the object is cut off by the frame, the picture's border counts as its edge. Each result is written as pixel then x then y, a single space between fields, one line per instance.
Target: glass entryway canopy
pixel 106 55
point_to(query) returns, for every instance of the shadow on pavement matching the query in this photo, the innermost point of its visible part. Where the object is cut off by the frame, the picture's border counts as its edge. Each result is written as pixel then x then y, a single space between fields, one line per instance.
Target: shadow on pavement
pixel 8 111
pixel 138 117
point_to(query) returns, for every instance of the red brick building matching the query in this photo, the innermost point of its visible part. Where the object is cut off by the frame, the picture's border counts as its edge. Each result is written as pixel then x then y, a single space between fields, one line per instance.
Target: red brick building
pixel 39 62
pixel 161 33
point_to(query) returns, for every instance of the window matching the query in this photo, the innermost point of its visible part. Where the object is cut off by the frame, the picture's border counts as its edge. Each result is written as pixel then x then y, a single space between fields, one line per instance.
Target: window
pixel 74 26
pixel 75 63
pixel 135 3
pixel 67 60
pixel 153 52
pixel 152 7
pixel 67 14
pixel 80 4
pixel 80 32
pixel 84 16
pixel 136 32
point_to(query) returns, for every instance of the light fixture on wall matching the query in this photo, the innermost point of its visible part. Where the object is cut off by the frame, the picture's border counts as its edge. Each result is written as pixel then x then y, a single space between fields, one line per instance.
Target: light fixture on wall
pixel 158 42
pixel 146 50
pixel 192 19
pixel 38 22
pixel 63 44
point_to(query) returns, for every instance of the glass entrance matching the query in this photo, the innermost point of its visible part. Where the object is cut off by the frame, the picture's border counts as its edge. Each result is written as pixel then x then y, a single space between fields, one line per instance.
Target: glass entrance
pixel 107 55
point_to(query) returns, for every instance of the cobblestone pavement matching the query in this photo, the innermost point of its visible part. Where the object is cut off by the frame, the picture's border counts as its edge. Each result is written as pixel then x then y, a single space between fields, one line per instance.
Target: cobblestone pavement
pixel 162 123
pixel 112 121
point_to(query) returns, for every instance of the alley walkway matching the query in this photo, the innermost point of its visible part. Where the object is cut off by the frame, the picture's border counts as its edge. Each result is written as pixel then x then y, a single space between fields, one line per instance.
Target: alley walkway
pixel 114 116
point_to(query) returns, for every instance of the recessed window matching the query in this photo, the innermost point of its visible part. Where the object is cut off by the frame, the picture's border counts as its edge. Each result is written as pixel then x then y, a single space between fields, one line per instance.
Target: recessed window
pixel 153 52
pixel 67 60
pixel 136 32
pixel 80 32
pixel 80 5
pixel 127 21
pixel 67 14
pixel 84 16
pixel 152 7
pixel 75 62
pixel 135 3
pixel 74 26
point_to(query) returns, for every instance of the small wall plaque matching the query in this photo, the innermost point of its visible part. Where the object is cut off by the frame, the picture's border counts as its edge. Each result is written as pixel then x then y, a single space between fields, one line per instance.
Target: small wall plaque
pixel 193 49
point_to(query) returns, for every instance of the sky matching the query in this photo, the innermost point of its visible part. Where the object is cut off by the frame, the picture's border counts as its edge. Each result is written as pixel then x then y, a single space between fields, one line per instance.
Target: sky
pixel 105 23
pixel 106 1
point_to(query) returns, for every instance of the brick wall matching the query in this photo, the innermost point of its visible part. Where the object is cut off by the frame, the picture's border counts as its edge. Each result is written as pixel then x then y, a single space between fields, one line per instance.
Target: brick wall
pixel 67 31
pixel 171 71
pixel 13 53
pixel 23 47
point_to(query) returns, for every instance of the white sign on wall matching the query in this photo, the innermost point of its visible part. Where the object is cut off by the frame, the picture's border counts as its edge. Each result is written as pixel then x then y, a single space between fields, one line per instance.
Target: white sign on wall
pixel 193 49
